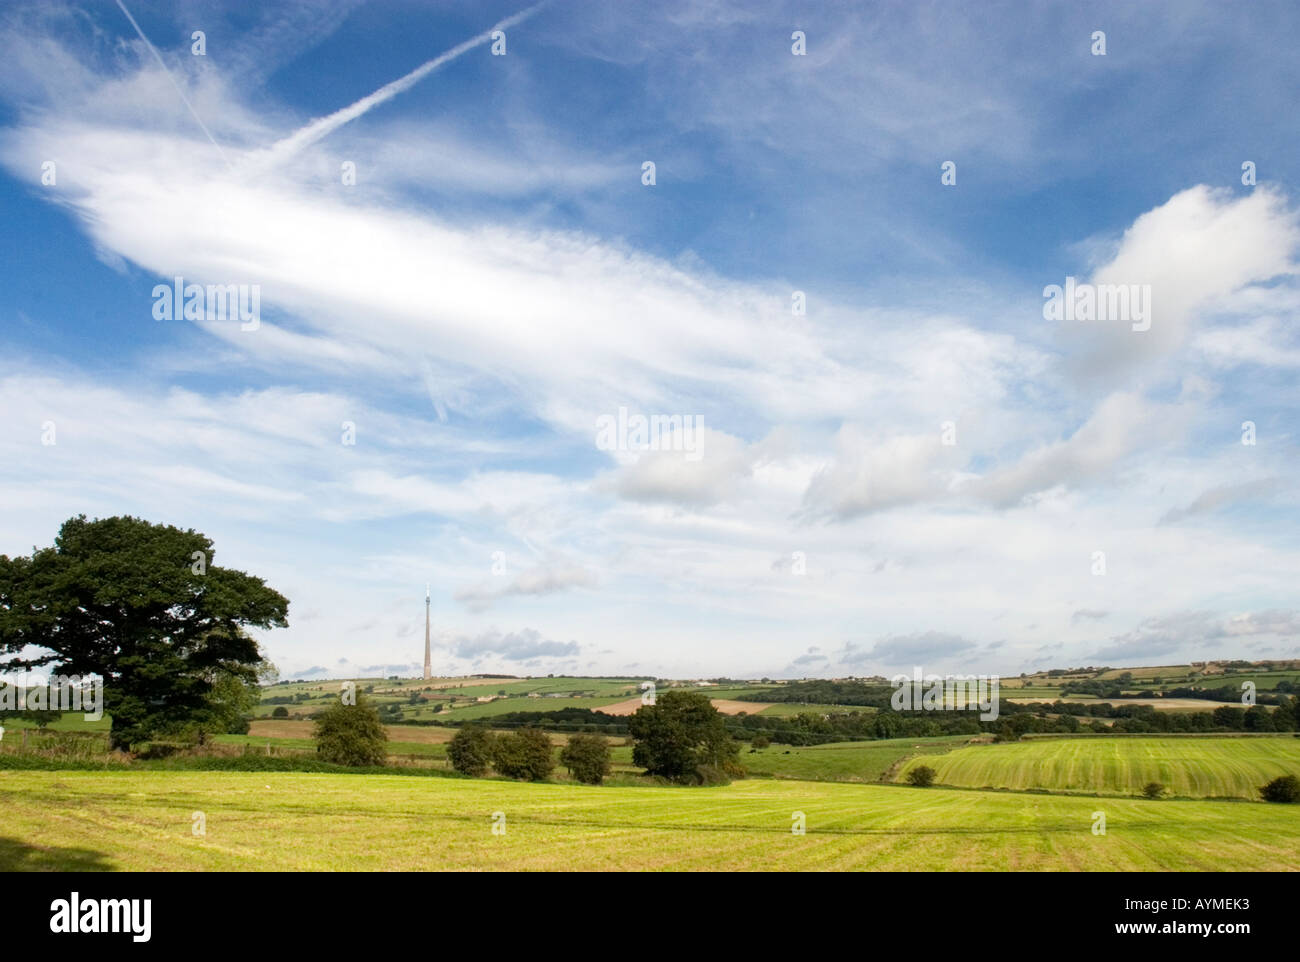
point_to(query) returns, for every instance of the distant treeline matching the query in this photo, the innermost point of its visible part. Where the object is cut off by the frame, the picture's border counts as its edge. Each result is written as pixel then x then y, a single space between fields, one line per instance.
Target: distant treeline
pixel 1113 688
pixel 862 694
pixel 1013 721
pixel 1224 693
pixel 810 728
pixel 1145 718
pixel 561 720
pixel 825 692
pixel 1228 693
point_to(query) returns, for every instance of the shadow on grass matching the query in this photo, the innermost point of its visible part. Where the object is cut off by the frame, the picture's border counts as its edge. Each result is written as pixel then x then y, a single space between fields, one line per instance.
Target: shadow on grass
pixel 16 856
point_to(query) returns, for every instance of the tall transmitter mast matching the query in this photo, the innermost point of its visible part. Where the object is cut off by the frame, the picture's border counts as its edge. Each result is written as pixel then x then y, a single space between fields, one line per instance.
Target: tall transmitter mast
pixel 428 660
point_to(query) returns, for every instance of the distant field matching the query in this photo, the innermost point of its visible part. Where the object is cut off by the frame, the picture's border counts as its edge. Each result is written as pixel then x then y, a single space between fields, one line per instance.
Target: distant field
pixel 88 821
pixel 1171 676
pixel 1146 673
pixel 1015 691
pixel 457 695
pixel 1193 767
pixel 729 706
pixel 584 686
pixel 504 706
pixel 841 761
pixel 1046 687
pixel 629 706
pixel 303 729
pixel 1264 680
pixel 785 708
pixel 460 694
pixel 1166 704
pixel 68 723
pixel 725 706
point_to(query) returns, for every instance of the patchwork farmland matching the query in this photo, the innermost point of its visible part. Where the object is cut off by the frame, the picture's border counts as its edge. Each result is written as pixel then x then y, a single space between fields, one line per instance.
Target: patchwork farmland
pixel 999 797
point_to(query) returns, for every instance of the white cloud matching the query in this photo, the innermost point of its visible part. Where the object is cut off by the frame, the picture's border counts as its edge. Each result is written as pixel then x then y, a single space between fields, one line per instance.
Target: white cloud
pixel 1121 424
pixel 1263 341
pixel 1224 494
pixel 867 476
pixel 527 644
pixel 543 579
pixel 1188 634
pixel 478 350
pixel 927 649
pixel 712 472
pixel 1196 251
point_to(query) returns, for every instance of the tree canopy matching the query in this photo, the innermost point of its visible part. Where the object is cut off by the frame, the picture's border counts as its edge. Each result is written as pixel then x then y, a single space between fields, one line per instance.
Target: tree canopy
pixel 587 758
pixel 679 734
pixel 524 754
pixel 351 734
pixel 470 750
pixel 143 606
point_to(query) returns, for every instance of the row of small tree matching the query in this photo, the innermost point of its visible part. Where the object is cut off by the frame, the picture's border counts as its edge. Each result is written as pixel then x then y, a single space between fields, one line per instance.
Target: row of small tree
pixel 354 735
pixel 527 754
pixel 681 737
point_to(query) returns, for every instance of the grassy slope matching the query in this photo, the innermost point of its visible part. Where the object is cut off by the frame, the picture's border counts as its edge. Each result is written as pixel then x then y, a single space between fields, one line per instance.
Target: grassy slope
pixel 503 706
pixel 457 695
pixel 841 761
pixel 1194 767
pixel 264 820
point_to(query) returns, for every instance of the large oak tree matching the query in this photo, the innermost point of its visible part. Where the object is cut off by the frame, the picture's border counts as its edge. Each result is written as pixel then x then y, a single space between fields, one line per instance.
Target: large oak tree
pixel 680 733
pixel 143 606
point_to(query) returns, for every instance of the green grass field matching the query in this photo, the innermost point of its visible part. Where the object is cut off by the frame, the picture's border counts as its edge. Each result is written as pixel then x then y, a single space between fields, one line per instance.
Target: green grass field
pixel 1017 689
pixel 458 692
pixel 69 722
pixel 1171 676
pixel 302 822
pixel 458 696
pixel 504 706
pixel 841 761
pixel 1190 767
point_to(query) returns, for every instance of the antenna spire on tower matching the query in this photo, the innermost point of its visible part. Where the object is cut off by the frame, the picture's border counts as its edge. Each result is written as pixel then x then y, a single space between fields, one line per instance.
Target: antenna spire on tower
pixel 428 655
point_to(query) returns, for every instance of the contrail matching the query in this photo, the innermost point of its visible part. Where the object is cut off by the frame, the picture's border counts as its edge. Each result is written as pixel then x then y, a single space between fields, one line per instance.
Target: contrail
pixel 184 99
pixel 284 149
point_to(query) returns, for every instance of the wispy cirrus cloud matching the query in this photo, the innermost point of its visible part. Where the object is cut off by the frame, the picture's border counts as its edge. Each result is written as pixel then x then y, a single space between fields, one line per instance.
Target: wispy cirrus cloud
pixel 543 579
pixel 498 278
pixel 1222 495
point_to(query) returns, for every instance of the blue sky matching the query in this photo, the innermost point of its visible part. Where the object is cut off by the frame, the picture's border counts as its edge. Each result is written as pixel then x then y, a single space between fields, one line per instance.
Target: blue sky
pixel 499 277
